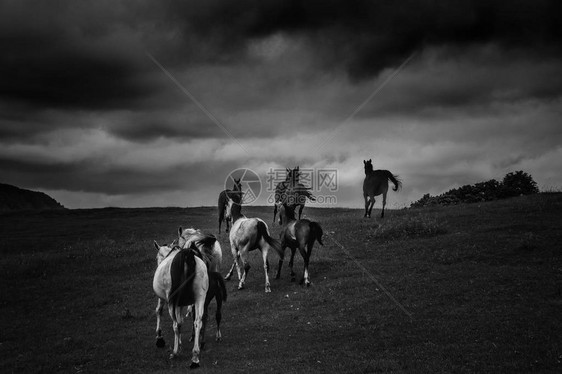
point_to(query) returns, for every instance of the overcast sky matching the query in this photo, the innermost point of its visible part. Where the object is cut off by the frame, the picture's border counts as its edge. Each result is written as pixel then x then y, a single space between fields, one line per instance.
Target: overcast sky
pixel 95 106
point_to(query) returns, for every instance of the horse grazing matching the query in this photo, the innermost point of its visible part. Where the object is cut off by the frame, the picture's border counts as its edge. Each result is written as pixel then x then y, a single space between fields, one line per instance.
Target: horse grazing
pixel 299 234
pixel 206 244
pixel 180 280
pixel 291 192
pixel 246 235
pixel 376 183
pixel 234 194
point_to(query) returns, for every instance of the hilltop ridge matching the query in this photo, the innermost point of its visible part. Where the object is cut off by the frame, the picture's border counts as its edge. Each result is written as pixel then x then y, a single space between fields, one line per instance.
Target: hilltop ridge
pixel 13 198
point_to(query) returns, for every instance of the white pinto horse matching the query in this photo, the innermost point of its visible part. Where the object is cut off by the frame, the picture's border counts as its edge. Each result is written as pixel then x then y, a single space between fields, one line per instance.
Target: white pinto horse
pixel 246 235
pixel 180 280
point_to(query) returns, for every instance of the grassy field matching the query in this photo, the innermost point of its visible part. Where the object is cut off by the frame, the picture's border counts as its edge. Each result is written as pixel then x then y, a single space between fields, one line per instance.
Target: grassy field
pixel 475 288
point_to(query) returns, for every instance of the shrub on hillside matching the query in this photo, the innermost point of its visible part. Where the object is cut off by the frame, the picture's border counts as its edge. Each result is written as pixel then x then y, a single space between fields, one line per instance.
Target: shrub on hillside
pixel 513 184
pixel 518 183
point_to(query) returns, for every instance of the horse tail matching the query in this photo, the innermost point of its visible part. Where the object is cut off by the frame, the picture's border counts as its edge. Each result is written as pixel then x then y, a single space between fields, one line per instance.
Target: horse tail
pixel 263 232
pixel 221 204
pixel 394 179
pixel 182 280
pixel 317 231
pixel 218 279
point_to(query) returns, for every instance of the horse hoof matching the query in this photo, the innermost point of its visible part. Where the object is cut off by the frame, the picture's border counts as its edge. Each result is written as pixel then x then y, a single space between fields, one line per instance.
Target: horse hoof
pixel 160 343
pixel 227 278
pixel 172 356
pixel 307 284
pixel 240 287
pixel 267 290
pixel 194 365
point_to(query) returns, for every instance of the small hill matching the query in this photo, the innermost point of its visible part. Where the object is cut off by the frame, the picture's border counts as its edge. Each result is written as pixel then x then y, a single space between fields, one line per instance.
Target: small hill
pixel 15 198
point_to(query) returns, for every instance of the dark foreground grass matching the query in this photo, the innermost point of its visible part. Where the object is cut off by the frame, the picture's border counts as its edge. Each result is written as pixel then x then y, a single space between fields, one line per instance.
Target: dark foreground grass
pixel 482 283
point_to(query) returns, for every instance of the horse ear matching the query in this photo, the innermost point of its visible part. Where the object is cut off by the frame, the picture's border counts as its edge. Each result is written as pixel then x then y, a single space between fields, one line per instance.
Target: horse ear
pixel 365 162
pixel 180 230
pixel 156 245
pixel 369 161
pixel 288 170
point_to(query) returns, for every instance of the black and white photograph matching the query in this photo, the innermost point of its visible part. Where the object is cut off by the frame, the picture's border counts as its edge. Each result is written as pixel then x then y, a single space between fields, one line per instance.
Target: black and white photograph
pixel 280 186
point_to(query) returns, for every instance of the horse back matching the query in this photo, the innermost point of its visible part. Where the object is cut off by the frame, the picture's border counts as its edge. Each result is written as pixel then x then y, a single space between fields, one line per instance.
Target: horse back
pixel 306 232
pixel 375 183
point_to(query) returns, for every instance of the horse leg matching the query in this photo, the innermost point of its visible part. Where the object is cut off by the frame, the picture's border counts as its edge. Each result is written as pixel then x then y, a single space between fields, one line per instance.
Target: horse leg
pixel 242 260
pixel 204 320
pixel 300 210
pixel 281 259
pixel 291 261
pixel 305 253
pixel 371 204
pixel 231 271
pixel 175 314
pixel 266 269
pixel 218 316
pixel 274 212
pixel 383 204
pixel 159 309
pixel 189 311
pixel 227 221
pixel 235 263
pixel 366 206
pixel 199 310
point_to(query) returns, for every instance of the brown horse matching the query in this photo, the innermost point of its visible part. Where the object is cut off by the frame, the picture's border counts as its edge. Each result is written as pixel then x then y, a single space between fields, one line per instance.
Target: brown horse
pixel 246 235
pixel 299 234
pixel 236 195
pixel 292 193
pixel 376 183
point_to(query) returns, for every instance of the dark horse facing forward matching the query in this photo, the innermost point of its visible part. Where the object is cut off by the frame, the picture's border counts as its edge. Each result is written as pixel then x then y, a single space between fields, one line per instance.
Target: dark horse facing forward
pixel 292 193
pixel 235 195
pixel 376 183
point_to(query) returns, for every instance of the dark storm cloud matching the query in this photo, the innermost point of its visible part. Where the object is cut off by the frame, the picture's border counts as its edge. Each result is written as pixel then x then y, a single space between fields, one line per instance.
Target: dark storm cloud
pixel 91 55
pixel 365 36
pixel 68 55
pixel 112 179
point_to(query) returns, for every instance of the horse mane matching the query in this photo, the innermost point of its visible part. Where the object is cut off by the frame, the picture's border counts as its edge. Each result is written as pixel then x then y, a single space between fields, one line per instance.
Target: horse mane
pixel 203 245
pixel 181 291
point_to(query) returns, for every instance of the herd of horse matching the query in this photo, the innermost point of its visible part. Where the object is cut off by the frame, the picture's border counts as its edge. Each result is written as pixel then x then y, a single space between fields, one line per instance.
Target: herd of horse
pixel 188 270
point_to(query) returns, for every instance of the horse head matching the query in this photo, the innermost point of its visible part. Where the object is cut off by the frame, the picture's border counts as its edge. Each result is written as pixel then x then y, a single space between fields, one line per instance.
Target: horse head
pixel 237 192
pixel 368 165
pixel 233 209
pixel 163 251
